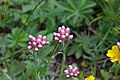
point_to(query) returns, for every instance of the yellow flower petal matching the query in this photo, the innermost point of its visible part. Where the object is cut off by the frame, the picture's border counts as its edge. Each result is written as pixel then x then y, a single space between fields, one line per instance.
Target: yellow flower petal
pixel 119 59
pixel 115 49
pixel 114 59
pixel 90 78
pixel 111 53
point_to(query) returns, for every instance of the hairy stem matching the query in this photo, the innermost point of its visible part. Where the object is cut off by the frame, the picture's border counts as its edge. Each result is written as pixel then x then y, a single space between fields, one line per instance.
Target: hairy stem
pixel 63 61
pixel 35 62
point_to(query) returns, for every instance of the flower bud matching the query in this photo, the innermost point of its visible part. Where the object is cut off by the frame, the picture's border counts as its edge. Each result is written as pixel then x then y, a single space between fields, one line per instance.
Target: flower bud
pixel 59 29
pixel 34 43
pixel 30 43
pixel 62 31
pixel 67 30
pixel 70 37
pixel 29 47
pixel 36 49
pixel 56 38
pixel 63 36
pixel 63 27
pixel 40 36
pixel 40 46
pixel 44 38
pixel 118 44
pixel 38 40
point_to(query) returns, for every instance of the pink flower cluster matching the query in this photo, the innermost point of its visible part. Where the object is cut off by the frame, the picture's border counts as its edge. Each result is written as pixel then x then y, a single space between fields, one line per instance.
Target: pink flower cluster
pixel 37 43
pixel 71 72
pixel 62 34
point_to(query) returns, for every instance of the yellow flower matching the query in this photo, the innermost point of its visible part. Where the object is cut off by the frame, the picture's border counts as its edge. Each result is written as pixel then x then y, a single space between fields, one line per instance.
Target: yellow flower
pixel 114 54
pixel 90 78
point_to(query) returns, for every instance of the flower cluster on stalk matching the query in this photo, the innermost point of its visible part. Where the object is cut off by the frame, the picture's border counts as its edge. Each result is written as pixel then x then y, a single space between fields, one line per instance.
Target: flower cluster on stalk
pixel 37 43
pixel 62 34
pixel 71 71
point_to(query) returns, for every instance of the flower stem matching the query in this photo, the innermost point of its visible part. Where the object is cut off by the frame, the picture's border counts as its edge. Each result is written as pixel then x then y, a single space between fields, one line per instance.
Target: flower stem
pixel 35 62
pixel 21 29
pixel 63 61
pixel 112 67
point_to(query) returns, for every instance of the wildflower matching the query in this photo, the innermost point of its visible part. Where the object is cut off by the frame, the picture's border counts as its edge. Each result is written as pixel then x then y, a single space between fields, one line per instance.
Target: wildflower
pixel 90 78
pixel 37 43
pixel 114 54
pixel 71 72
pixel 62 34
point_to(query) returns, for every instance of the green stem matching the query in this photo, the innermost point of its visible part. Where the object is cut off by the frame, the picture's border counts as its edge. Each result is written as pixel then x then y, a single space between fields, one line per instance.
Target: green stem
pixel 62 66
pixel 14 47
pixel 110 70
pixel 17 52
pixel 35 60
pixel 54 49
pixel 103 39
pixel 63 61
pixel 53 52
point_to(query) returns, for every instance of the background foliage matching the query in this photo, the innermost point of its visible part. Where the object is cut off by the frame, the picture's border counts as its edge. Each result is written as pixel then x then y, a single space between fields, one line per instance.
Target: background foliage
pixel 95 25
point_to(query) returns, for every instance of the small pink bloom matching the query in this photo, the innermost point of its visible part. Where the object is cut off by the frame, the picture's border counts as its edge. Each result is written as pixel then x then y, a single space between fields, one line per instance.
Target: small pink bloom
pixel 43 42
pixel 63 27
pixel 75 74
pixel 38 40
pixel 36 49
pixel 63 36
pixel 40 46
pixel 67 34
pixel 78 72
pixel 70 37
pixel 71 74
pixel 68 76
pixel 59 29
pixel 70 67
pixel 67 30
pixel 62 31
pixel 40 36
pixel 60 41
pixel 118 44
pixel 30 36
pixel 58 35
pixel 34 43
pixel 55 34
pixel 56 38
pixel 30 43
pixel 66 72
pixel 47 42
pixel 29 47
pixel 44 38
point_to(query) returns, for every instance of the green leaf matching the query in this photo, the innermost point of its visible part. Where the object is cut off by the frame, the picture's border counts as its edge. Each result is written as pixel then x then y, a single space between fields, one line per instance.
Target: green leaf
pixel 105 75
pixel 16 68
pixel 27 8
pixel 72 3
pixel 64 6
pixel 43 71
pixel 78 53
pixel 24 18
pixel 12 37
pixel 50 37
